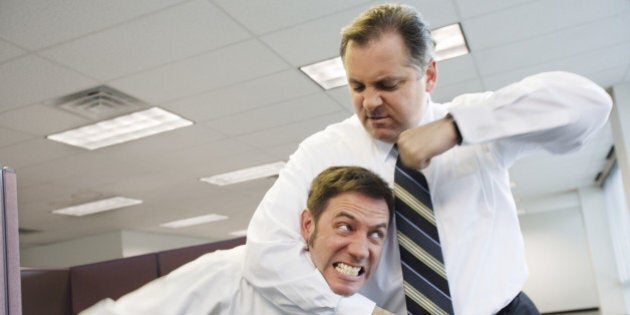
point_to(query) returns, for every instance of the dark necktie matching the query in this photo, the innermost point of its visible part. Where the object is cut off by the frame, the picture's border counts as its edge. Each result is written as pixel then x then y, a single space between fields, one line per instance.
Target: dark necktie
pixel 424 276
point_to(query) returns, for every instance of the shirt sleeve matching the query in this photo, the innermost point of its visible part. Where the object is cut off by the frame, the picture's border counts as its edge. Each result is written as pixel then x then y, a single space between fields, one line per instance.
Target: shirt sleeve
pixel 275 263
pixel 557 111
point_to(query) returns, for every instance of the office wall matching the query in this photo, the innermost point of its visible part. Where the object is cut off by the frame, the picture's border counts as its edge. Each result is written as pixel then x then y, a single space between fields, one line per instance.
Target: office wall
pixel 561 273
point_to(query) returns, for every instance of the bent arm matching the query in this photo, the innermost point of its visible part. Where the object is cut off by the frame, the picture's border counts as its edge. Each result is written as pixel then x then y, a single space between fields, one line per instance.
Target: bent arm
pixel 557 111
pixel 275 263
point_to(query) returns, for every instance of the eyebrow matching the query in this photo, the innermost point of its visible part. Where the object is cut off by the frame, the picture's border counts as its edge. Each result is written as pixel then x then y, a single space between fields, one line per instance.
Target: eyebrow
pixel 350 216
pixel 381 80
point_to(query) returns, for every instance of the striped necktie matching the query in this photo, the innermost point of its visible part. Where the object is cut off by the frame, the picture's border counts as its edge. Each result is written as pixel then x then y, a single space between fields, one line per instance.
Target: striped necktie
pixel 424 276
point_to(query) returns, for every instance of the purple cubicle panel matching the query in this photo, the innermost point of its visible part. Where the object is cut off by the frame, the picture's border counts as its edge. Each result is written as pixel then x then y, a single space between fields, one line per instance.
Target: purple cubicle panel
pixel 10 254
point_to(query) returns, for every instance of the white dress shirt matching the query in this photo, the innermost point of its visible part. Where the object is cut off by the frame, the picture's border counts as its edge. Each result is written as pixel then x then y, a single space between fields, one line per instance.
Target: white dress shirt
pixel 211 284
pixel 475 211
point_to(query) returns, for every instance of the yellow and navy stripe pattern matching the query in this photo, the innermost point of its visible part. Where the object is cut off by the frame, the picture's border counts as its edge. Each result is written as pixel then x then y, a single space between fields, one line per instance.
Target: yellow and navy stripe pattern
pixel 425 281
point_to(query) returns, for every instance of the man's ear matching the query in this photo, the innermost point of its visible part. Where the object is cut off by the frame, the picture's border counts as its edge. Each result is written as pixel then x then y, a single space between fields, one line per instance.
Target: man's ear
pixel 307 224
pixel 430 75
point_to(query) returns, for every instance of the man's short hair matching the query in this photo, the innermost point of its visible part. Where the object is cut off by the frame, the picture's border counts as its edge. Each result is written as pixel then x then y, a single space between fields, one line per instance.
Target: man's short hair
pixel 340 179
pixel 396 18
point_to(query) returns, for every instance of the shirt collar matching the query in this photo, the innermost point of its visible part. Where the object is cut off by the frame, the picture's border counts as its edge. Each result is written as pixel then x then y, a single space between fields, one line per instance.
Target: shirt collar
pixel 385 149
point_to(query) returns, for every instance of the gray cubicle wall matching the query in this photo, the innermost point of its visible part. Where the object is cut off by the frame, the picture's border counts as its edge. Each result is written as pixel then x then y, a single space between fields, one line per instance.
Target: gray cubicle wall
pixel 10 250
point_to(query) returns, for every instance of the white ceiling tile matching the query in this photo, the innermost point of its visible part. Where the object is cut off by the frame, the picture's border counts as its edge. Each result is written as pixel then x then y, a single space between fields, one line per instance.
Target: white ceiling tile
pixel 515 24
pixel 154 146
pixel 31 79
pixel 437 13
pixel 557 45
pixel 468 9
pixel 219 68
pixel 310 42
pixel 235 161
pixel 264 16
pixel 456 70
pixel 39 196
pixel 245 96
pixel 85 171
pixel 40 120
pixel 342 96
pixel 33 152
pixel 9 137
pixel 445 93
pixel 203 159
pixel 584 64
pixel 291 133
pixel 276 115
pixel 8 51
pixel 282 152
pixel 179 32
pixel 35 24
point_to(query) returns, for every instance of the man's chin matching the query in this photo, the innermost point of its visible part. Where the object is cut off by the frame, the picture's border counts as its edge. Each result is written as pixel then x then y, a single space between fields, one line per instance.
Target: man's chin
pixel 345 291
pixel 383 134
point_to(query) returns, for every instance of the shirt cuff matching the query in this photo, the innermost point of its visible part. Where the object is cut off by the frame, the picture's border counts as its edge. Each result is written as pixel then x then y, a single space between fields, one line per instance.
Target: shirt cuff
pixel 355 305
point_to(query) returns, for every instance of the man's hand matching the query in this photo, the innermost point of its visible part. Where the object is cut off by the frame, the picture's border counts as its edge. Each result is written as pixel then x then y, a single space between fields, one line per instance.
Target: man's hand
pixel 380 311
pixel 417 146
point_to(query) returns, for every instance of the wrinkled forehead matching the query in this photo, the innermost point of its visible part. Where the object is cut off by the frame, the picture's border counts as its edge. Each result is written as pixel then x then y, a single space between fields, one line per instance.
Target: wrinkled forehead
pixel 356 207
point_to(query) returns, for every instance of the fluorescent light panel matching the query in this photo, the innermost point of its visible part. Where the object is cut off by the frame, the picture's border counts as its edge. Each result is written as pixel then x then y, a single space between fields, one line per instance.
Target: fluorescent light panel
pixel 329 74
pixel 97 206
pixel 246 174
pixel 121 129
pixel 449 42
pixel 194 221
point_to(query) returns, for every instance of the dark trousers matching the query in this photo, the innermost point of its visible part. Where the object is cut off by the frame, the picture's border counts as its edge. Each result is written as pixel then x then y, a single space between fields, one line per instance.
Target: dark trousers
pixel 521 305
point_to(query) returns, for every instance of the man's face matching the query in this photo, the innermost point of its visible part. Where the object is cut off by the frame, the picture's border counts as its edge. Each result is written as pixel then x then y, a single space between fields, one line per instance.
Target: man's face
pixel 346 243
pixel 387 92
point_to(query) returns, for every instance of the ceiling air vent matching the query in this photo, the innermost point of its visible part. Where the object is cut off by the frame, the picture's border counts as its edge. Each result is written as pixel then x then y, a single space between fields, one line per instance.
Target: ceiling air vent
pixel 99 103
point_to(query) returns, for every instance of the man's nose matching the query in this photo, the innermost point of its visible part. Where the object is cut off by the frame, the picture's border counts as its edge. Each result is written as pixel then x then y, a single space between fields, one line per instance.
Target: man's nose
pixel 371 99
pixel 358 248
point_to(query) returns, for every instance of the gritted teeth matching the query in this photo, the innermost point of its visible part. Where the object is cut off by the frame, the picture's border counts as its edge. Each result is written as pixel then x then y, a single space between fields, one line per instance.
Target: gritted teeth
pixel 348 270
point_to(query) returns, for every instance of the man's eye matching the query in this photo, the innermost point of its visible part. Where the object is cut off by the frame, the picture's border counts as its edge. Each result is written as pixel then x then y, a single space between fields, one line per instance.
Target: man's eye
pixel 344 227
pixel 388 86
pixel 377 235
pixel 358 88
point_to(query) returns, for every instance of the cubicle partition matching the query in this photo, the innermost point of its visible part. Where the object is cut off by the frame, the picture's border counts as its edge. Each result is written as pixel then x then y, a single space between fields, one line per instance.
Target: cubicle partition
pixel 10 300
pixel 71 290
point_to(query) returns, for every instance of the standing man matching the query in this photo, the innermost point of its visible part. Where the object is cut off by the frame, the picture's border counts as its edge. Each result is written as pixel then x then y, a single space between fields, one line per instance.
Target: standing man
pixel 464 149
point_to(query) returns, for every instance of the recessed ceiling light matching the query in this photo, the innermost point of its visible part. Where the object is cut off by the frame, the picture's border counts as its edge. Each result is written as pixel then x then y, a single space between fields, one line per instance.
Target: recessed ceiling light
pixel 449 42
pixel 97 206
pixel 194 221
pixel 246 174
pixel 239 233
pixel 121 129
pixel 329 74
